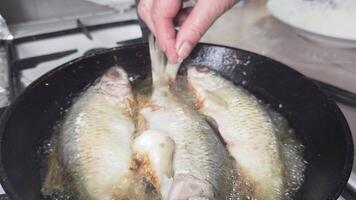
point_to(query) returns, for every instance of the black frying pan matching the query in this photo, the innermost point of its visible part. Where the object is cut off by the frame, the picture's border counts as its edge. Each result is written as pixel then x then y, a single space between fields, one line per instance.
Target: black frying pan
pixel 317 120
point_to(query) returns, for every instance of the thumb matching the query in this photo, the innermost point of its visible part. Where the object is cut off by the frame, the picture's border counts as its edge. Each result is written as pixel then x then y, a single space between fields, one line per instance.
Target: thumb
pixel 198 22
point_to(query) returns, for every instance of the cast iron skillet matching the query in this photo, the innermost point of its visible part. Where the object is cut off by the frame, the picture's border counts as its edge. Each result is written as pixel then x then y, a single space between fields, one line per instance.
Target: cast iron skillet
pixel 317 120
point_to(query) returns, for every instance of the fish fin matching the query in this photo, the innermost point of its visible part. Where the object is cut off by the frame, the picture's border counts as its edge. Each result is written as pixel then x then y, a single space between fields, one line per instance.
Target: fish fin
pixel 166 185
pixel 172 70
pixel 153 151
pixel 53 181
pixel 212 101
pixel 141 124
pixel 163 72
pixel 130 107
pixel 272 188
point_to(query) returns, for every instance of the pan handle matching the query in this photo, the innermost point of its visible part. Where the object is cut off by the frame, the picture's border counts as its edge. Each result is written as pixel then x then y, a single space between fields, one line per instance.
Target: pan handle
pixel 350 189
pixel 337 94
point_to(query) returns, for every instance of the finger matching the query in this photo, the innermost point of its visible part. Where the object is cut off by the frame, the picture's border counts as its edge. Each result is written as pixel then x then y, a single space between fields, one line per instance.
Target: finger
pixel 182 16
pixel 201 18
pixel 164 12
pixel 145 13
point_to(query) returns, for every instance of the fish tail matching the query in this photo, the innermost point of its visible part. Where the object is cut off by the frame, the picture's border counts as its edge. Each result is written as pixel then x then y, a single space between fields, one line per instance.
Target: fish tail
pixel 53 181
pixel 163 72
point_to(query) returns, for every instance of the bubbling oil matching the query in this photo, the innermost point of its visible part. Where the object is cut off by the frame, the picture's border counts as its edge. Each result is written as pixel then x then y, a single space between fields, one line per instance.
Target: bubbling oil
pixel 58 184
pixel 291 151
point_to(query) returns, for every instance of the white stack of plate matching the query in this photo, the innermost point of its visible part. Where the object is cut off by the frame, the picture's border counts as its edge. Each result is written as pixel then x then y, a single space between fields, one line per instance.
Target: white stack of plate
pixel 329 22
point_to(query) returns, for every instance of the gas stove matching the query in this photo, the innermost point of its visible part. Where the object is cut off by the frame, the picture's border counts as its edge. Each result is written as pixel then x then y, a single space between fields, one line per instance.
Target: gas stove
pixel 34 55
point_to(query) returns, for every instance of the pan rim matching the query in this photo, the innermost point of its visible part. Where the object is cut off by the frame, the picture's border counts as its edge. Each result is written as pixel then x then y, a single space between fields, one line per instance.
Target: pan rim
pixel 11 191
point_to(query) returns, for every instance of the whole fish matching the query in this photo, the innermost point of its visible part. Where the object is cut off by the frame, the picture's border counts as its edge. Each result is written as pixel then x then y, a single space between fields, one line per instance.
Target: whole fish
pixel 246 128
pixel 195 152
pixel 96 137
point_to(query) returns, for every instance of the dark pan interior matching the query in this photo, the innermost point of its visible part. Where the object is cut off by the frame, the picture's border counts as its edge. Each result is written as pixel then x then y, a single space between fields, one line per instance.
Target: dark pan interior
pixel 317 120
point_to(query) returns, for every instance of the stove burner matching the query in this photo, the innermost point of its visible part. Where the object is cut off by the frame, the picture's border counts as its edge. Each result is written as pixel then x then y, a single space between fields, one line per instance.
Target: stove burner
pixel 93 51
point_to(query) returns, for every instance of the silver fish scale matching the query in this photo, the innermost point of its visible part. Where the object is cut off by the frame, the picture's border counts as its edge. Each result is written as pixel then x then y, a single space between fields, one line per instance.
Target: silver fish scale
pixel 71 127
pixel 247 129
pixel 95 139
pixel 245 124
pixel 198 151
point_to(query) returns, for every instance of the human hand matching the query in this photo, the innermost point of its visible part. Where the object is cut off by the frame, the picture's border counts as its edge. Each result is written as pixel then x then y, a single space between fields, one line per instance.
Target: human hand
pixel 161 17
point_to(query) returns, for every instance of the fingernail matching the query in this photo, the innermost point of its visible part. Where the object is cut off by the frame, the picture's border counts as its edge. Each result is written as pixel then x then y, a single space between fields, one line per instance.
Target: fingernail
pixel 184 50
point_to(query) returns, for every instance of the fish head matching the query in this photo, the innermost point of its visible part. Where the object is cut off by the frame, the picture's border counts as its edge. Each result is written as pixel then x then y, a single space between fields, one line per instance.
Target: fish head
pixel 205 85
pixel 114 84
pixel 202 80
